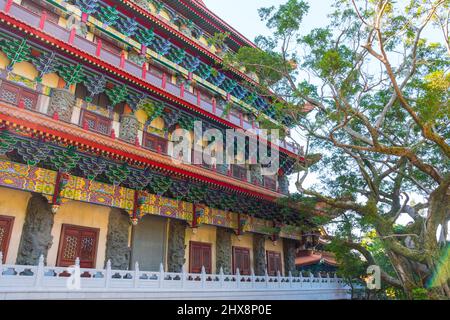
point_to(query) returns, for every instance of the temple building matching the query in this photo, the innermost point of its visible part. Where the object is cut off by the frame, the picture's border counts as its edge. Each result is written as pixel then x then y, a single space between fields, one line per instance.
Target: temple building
pixel 90 94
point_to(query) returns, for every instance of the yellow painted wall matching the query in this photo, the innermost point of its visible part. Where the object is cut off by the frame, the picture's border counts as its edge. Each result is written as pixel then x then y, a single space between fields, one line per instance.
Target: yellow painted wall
pixel 50 80
pixel 206 234
pixel 85 215
pixel 141 116
pixel 14 203
pixel 244 241
pixel 158 123
pixel 277 247
pixel 4 61
pixel 26 70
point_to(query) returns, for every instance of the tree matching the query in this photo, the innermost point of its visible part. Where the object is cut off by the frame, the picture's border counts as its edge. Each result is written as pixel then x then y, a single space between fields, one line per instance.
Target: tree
pixel 380 98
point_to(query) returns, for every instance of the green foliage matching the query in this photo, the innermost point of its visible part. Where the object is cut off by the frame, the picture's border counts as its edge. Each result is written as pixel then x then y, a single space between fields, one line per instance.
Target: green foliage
pixel 218 40
pixel 381 120
pixel 351 266
pixel 420 294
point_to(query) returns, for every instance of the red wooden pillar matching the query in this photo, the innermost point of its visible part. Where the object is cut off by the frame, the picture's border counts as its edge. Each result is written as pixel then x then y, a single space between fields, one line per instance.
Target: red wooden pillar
pixel 144 70
pixel 241 119
pixel 72 34
pixel 182 90
pixel 143 49
pixel 43 19
pixel 194 216
pixel 8 5
pixel 84 17
pixel 164 81
pixel 99 47
pixel 199 99
pixel 214 105
pixel 122 60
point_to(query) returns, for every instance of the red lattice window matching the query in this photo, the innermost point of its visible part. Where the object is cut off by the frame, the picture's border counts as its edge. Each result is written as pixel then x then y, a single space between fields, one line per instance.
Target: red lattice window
pixel 77 242
pixel 13 94
pixel 155 143
pixel 273 263
pixel 6 224
pixel 241 260
pixel 95 122
pixel 199 255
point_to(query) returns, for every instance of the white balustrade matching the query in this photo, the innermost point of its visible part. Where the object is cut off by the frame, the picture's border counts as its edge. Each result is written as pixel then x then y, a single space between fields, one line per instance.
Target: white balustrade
pixel 41 278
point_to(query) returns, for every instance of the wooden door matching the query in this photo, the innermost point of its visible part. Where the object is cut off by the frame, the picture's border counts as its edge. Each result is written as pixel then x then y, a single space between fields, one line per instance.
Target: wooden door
pixel 200 256
pixel 77 242
pixel 273 263
pixel 6 224
pixel 241 260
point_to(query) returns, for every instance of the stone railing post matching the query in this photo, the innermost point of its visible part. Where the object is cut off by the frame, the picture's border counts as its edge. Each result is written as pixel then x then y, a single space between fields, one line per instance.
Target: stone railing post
pixel 279 278
pixel 266 276
pixel 252 277
pixel 320 280
pixel 238 278
pixel 203 277
pixel 108 274
pixel 183 276
pixel 161 275
pixel 290 279
pixel 136 274
pixel 39 272
pixel 311 279
pixel 1 265
pixel 221 277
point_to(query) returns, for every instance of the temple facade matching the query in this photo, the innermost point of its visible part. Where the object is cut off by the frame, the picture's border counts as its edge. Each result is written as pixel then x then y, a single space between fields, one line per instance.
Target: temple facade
pixel 90 94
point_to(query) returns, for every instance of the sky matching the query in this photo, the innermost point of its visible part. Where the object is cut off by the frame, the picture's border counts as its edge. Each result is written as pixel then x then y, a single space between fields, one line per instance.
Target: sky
pixel 243 15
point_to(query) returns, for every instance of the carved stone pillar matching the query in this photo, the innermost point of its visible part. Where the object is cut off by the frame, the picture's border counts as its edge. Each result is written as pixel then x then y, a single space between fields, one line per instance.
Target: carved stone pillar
pixel 176 246
pixel 289 256
pixel 36 236
pixel 259 254
pixel 223 250
pixel 129 126
pixel 62 102
pixel 117 249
